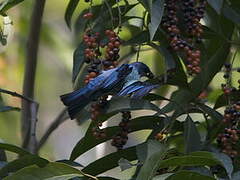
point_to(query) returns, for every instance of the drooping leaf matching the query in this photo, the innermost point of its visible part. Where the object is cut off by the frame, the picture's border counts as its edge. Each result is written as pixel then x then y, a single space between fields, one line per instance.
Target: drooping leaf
pixel 78 60
pixel 7 4
pixel 22 162
pixel 70 163
pixel 72 5
pixel 147 4
pixel 156 16
pixel 230 13
pixel 226 163
pixel 193 159
pixel 168 57
pixel 216 5
pixel 8 108
pixel 110 161
pixel 191 136
pixel 88 141
pixel 189 175
pixel 163 176
pixel 13 148
pixel 155 153
pixel 51 170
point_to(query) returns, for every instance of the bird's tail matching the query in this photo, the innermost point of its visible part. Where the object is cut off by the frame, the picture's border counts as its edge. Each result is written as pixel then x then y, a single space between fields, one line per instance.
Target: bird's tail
pixel 75 101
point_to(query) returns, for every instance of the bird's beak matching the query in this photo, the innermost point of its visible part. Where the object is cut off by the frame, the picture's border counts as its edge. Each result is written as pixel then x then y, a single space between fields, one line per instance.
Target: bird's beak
pixel 150 75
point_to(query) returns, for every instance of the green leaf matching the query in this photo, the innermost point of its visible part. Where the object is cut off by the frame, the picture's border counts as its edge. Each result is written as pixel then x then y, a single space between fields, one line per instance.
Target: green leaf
pixel 200 158
pixel 226 162
pixel 189 175
pixel 163 176
pixel 110 161
pixel 8 108
pixel 22 162
pixel 216 5
pixel 147 4
pixel 51 170
pixel 78 60
pixel 201 81
pixel 168 57
pixel 191 136
pixel 12 148
pixel 89 141
pixel 3 156
pixel 7 4
pixel 156 17
pixel 230 13
pixel 155 153
pixel 72 5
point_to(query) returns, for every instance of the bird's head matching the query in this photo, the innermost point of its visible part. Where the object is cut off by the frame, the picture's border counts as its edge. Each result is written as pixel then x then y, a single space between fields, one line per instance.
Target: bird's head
pixel 143 70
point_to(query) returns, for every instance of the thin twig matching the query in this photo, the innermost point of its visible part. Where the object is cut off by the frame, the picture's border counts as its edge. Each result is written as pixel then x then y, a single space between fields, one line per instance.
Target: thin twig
pixel 16 95
pixel 30 69
pixel 62 116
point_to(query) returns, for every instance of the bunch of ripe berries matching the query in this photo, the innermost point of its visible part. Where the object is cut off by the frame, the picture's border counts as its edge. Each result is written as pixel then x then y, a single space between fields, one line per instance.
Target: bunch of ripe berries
pixel 229 139
pixel 120 139
pixel 192 12
pixel 92 54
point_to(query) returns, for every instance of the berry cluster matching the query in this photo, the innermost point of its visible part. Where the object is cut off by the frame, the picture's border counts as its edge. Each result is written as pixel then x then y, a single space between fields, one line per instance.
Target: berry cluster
pixel 112 50
pixel 229 139
pixel 92 53
pixel 121 138
pixel 192 12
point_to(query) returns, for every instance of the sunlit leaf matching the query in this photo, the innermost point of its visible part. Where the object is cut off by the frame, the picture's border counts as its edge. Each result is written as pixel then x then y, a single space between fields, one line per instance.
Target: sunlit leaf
pixel 51 170
pixel 156 16
pixel 72 5
pixel 189 175
pixel 89 141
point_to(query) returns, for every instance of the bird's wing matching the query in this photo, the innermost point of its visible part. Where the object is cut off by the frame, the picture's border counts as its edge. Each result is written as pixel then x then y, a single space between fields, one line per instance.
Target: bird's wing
pixel 116 77
pixel 100 85
pixel 138 89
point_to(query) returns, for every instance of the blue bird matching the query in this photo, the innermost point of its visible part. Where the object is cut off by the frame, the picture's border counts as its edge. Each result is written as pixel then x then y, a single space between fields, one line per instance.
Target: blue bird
pixel 122 81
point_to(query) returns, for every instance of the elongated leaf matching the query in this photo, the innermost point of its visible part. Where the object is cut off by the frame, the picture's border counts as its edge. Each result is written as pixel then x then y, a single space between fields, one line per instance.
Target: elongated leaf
pixel 118 104
pixel 201 81
pixel 110 161
pixel 8 108
pixel 147 4
pixel 13 148
pixel 163 176
pixel 193 159
pixel 152 161
pixel 7 4
pixel 216 5
pixel 51 170
pixel 168 57
pixel 22 162
pixel 156 17
pixel 230 13
pixel 72 5
pixel 189 175
pixel 226 163
pixel 88 141
pixel 191 136
pixel 78 60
